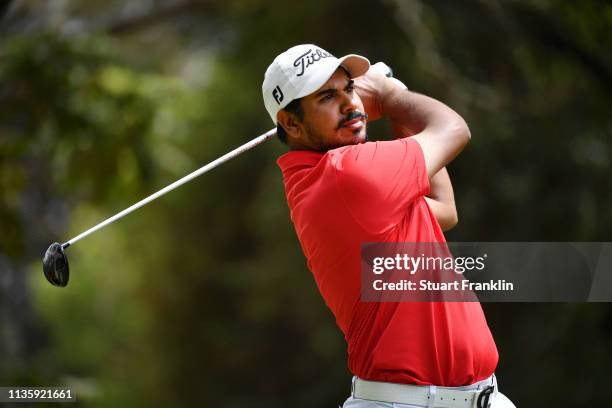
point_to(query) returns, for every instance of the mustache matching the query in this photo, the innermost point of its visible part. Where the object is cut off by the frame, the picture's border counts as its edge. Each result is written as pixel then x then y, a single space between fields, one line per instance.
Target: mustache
pixel 352 115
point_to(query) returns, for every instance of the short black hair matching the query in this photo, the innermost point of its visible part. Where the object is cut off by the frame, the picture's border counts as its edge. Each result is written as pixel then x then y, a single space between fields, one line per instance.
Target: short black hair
pixel 294 107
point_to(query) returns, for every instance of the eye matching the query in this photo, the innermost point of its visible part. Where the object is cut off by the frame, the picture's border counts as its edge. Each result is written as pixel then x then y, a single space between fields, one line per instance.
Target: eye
pixel 350 89
pixel 327 97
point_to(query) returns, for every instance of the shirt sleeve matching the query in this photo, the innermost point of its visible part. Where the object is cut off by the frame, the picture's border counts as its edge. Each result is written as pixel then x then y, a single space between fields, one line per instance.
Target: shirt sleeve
pixel 378 181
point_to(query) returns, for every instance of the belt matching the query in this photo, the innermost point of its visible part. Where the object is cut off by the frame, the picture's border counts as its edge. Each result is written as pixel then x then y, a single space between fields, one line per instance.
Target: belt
pixel 427 395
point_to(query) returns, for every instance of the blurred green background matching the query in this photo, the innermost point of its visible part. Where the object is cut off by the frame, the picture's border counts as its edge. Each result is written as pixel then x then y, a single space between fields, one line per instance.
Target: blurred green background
pixel 203 298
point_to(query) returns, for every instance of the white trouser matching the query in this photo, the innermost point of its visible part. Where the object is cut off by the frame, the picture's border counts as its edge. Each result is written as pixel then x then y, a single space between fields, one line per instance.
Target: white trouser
pixel 498 401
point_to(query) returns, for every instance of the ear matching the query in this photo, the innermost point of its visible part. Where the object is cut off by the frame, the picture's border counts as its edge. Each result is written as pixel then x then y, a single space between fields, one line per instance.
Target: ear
pixel 291 124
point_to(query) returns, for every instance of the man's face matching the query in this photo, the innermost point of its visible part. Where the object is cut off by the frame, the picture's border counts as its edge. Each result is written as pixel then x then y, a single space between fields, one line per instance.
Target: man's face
pixel 333 115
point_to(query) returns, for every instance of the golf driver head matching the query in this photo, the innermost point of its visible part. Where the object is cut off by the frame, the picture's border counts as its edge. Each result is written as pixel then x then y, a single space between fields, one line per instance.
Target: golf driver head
pixel 55 265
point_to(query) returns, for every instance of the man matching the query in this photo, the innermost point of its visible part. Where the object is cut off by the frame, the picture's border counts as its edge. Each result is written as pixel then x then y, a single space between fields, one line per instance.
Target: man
pixel 344 191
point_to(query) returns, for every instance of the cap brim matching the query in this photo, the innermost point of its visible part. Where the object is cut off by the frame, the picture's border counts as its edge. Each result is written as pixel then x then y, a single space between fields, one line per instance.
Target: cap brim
pixel 356 66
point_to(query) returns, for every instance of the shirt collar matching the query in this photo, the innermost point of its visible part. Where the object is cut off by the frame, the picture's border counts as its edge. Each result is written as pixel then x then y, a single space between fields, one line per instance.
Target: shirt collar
pixel 295 160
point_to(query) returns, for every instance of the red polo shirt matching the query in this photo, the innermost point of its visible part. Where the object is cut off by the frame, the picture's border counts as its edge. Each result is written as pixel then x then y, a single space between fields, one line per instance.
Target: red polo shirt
pixel 374 192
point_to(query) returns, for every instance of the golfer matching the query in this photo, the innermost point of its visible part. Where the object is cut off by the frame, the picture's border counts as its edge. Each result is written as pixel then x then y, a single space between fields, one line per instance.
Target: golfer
pixel 344 191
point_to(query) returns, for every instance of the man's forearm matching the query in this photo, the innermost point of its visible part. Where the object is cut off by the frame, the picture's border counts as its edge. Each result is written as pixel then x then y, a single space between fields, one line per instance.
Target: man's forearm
pixel 440 131
pixel 416 112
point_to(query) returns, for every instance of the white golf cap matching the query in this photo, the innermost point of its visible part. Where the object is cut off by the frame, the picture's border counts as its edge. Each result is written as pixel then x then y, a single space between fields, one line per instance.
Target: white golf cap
pixel 300 71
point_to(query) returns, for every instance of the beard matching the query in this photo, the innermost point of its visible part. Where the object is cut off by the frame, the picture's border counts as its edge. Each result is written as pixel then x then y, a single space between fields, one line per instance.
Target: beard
pixel 323 142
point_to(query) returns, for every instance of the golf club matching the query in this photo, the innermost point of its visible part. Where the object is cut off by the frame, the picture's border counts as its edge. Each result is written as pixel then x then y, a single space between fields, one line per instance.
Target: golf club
pixel 55 261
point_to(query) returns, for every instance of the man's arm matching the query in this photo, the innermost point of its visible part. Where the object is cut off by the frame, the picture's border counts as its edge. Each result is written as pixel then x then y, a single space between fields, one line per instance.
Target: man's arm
pixel 440 143
pixel 439 130
pixel 441 200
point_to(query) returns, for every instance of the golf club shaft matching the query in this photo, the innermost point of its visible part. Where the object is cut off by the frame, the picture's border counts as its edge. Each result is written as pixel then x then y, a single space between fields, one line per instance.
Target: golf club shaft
pixel 230 155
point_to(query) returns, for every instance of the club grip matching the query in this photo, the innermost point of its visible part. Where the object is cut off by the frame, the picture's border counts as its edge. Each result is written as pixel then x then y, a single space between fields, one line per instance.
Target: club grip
pixel 386 70
pixel 383 69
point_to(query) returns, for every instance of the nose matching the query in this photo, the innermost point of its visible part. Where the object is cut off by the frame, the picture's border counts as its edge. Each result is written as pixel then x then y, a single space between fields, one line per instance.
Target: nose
pixel 349 102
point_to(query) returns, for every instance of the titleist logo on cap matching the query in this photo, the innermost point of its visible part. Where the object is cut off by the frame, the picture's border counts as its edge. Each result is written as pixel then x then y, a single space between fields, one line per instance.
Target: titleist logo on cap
pixel 308 58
